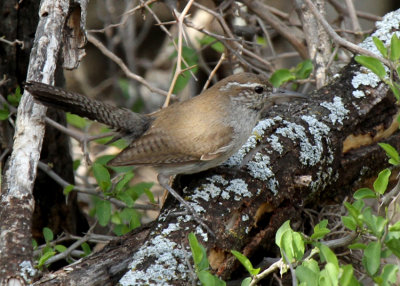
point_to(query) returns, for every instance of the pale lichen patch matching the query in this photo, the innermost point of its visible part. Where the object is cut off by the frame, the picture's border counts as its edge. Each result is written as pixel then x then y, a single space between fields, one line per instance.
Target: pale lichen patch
pixel 384 32
pixel 253 140
pixel 238 188
pixel 338 111
pixel 169 263
pixel 259 168
pixel 275 144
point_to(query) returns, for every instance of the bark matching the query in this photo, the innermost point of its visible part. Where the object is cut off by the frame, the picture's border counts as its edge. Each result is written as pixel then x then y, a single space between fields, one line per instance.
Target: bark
pixel 299 155
pixel 17 203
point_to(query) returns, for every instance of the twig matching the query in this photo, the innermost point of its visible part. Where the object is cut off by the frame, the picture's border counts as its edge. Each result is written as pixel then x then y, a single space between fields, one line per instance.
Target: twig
pixel 236 44
pixel 339 40
pixel 343 10
pixel 13 43
pixel 221 59
pixel 353 17
pixel 287 32
pixel 178 69
pixel 73 246
pixel 122 65
pixel 90 191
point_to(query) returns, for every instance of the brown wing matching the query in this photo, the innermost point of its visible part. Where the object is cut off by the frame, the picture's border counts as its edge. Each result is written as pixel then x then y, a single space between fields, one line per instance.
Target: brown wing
pixel 178 137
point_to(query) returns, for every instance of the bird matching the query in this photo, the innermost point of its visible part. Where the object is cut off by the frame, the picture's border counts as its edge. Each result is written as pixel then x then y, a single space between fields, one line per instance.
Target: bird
pixel 186 137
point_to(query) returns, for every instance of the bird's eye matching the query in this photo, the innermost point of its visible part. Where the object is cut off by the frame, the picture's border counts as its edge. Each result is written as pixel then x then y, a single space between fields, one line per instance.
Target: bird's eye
pixel 259 89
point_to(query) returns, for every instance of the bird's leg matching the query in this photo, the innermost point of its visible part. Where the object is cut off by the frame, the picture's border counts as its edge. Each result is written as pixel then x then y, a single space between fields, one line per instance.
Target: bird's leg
pixel 164 182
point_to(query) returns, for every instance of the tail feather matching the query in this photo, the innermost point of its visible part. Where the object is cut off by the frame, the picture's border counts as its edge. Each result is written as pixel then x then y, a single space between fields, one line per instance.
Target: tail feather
pixel 129 123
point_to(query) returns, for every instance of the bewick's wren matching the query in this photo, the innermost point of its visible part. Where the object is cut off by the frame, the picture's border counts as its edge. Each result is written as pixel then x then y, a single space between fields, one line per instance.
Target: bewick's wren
pixel 186 137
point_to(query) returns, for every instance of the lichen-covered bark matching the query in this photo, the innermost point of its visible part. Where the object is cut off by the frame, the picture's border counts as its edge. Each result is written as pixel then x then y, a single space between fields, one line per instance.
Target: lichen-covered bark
pixel 298 156
pixel 17 204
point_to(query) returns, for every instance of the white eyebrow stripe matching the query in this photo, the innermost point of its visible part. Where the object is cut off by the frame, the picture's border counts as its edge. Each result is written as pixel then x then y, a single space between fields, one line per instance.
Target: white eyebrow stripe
pixel 232 84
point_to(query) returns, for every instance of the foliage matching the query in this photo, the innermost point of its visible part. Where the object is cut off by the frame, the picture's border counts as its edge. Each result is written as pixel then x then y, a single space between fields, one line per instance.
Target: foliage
pixel 383 242
pixel 301 71
pixel 126 218
pixel 188 65
pixel 51 248
pixel 392 53
pixel 201 263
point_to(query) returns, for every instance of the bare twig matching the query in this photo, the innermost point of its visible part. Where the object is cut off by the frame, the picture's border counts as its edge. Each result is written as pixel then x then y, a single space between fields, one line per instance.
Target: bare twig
pixel 221 59
pixel 353 16
pixel 178 70
pixel 339 40
pixel 343 10
pixel 122 65
pixel 13 43
pixel 73 246
pixel 287 32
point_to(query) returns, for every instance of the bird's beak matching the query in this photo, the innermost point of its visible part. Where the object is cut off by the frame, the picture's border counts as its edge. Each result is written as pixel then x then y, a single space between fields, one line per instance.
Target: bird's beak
pixel 280 95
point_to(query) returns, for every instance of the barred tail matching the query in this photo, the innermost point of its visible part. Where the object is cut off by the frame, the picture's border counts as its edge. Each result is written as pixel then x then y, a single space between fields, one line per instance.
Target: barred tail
pixel 123 120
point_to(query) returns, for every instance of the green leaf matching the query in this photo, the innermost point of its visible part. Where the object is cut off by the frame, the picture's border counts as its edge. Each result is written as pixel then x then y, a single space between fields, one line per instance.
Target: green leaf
pixel 357 246
pixel 68 189
pixel 76 164
pixel 34 244
pixel 246 281
pixel 76 121
pixel 328 255
pixel 380 46
pixel 102 176
pixel 372 257
pixel 389 274
pixel 126 198
pixel 372 64
pixel 331 272
pixel 347 275
pixel 391 153
pixel 207 279
pixel 86 248
pixel 126 179
pixel 395 89
pixel 60 248
pixel 103 160
pixel 246 263
pixel 292 245
pixel 320 230
pixel 374 223
pixel 191 58
pixel 394 48
pixel 4 112
pixel 45 257
pixel 103 211
pixel 354 212
pixel 395 227
pixel 278 236
pixel 261 41
pixel 215 44
pixel 303 69
pixel 15 98
pixel 199 253
pixel 139 189
pixel 349 222
pixel 290 242
pixel 130 216
pixel 394 245
pixel 281 76
pixel 48 234
pixel 308 275
pixel 382 181
pixel 364 193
